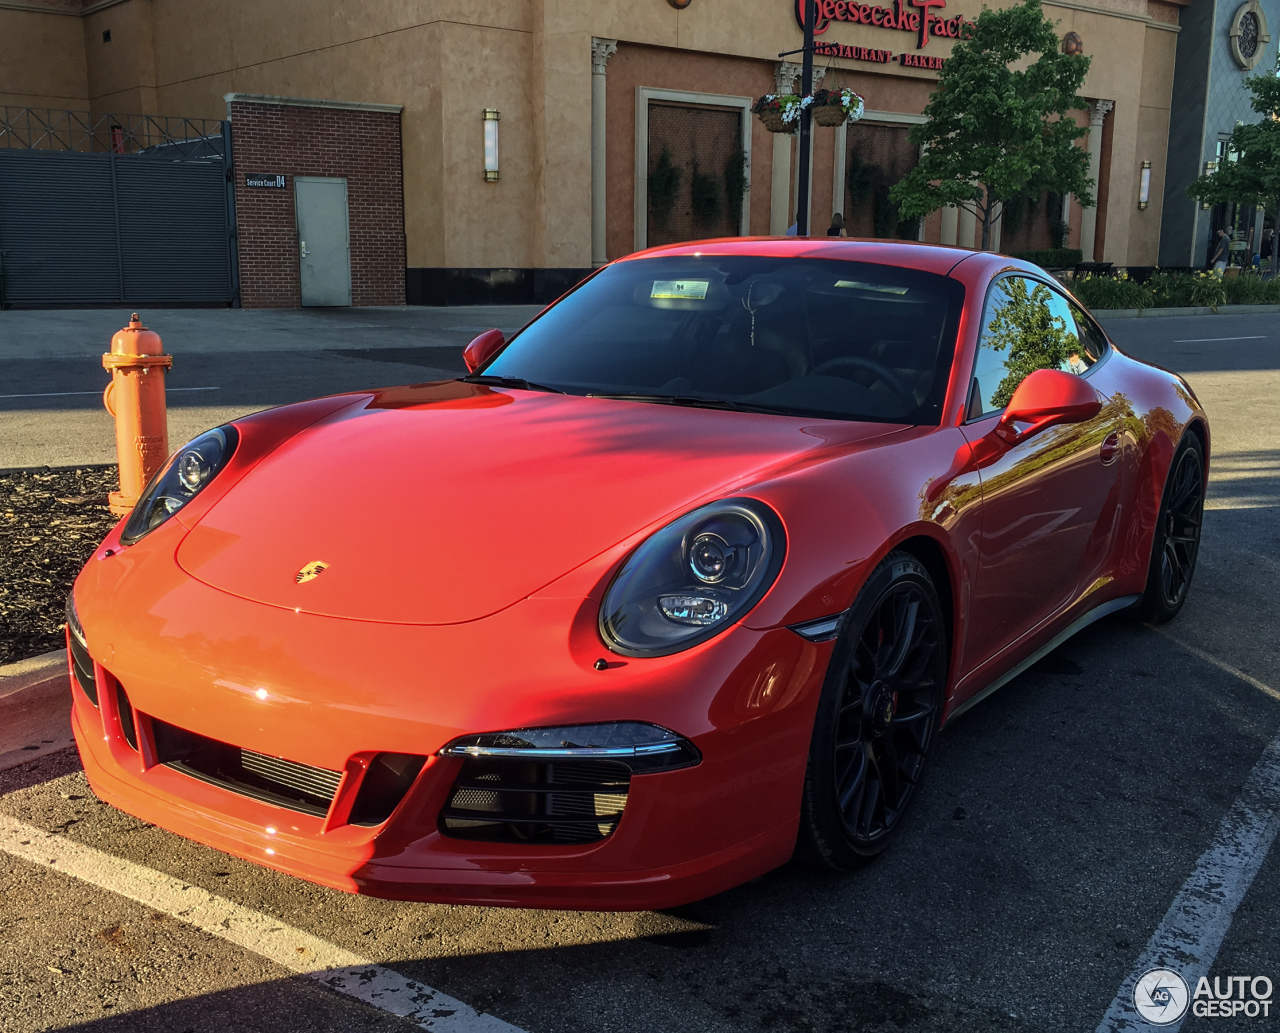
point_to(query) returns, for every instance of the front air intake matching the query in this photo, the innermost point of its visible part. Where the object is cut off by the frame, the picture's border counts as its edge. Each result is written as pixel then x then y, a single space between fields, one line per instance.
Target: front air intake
pixel 562 784
pixel 81 661
pixel 286 783
pixel 521 802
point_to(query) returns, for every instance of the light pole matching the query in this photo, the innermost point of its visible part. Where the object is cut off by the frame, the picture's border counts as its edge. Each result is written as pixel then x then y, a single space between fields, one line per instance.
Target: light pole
pixel 806 120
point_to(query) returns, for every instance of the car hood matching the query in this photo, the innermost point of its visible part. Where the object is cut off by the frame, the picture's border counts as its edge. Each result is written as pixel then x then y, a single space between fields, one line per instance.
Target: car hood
pixel 444 503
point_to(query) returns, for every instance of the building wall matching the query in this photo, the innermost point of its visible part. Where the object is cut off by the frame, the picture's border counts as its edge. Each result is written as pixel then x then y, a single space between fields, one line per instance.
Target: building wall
pixel 445 61
pixel 42 61
pixel 1186 133
pixel 361 146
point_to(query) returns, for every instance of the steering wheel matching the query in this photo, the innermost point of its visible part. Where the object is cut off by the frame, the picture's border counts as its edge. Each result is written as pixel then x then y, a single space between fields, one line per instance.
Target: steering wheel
pixel 888 377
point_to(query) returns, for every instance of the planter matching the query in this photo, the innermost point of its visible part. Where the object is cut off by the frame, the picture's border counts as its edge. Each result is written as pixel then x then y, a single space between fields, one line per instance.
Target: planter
pixel 771 119
pixel 829 115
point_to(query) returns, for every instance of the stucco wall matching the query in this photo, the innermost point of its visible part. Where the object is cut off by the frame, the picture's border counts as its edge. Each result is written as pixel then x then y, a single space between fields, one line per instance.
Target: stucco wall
pixel 42 61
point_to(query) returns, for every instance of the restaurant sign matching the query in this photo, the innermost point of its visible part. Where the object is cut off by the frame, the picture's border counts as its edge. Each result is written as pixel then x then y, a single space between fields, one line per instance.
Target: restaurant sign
pixel 922 21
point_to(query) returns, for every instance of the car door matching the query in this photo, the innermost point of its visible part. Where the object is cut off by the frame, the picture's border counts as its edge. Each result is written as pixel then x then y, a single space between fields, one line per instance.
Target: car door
pixel 1047 501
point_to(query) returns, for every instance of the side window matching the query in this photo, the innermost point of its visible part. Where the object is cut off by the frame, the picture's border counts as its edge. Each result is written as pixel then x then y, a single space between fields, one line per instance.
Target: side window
pixel 1026 326
pixel 1093 342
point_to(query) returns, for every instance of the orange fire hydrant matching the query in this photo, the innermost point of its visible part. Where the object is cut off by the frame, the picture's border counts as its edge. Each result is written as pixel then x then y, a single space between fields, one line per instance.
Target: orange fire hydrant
pixel 135 397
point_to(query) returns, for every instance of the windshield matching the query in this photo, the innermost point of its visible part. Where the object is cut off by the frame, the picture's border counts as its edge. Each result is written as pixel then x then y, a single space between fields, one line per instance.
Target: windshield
pixel 798 336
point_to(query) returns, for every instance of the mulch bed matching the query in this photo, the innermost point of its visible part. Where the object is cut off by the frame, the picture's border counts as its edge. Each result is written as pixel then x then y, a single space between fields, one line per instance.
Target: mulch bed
pixel 50 523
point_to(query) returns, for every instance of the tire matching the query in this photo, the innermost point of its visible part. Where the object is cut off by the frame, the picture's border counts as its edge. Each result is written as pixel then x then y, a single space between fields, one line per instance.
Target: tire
pixel 877 718
pixel 1176 542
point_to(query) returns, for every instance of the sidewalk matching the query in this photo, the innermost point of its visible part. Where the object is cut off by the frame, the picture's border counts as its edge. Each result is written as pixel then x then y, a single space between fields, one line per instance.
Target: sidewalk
pixel 35 708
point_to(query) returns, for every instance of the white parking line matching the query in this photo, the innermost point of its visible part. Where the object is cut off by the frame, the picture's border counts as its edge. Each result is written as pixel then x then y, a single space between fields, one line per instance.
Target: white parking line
pixel 1209 658
pixel 1188 939
pixel 1204 340
pixel 291 948
pixel 68 394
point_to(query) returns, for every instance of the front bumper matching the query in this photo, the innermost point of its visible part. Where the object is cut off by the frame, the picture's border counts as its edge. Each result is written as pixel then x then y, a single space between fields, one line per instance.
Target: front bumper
pixel 333 693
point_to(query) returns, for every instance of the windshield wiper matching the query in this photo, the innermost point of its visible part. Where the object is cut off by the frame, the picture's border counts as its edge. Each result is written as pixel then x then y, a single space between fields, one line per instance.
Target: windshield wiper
pixel 696 402
pixel 497 381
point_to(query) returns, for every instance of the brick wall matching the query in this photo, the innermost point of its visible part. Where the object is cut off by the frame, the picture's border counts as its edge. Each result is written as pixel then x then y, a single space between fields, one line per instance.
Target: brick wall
pixel 363 147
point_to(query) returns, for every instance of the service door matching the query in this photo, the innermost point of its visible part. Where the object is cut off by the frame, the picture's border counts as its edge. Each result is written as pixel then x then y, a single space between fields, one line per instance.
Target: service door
pixel 324 244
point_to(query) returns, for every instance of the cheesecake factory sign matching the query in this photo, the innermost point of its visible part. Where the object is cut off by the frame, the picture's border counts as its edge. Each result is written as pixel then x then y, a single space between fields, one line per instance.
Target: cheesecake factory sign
pixel 922 21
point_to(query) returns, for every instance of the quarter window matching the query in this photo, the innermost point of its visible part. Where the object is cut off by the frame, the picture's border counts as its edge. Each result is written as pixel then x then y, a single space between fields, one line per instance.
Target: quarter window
pixel 1027 326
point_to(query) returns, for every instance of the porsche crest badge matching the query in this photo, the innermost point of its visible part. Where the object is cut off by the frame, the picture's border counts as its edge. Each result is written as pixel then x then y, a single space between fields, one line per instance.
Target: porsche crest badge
pixel 310 572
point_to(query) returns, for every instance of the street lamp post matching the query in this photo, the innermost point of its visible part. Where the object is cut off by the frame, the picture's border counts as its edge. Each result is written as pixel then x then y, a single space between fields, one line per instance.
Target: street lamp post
pixel 806 120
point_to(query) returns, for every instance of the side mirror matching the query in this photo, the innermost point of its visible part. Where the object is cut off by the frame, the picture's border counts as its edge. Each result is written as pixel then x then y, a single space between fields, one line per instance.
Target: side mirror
pixel 1044 398
pixel 482 349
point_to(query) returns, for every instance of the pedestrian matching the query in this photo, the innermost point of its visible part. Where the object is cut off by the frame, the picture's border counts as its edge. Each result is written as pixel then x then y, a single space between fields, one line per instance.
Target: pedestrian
pixel 1264 251
pixel 1219 259
pixel 794 229
pixel 836 229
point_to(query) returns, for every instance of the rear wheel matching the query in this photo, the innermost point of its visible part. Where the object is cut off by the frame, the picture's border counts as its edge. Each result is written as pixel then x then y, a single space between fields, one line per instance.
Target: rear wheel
pixel 876 719
pixel 1177 537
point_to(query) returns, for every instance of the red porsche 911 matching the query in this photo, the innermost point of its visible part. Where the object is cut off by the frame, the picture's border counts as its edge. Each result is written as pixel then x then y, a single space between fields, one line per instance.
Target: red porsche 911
pixel 680 582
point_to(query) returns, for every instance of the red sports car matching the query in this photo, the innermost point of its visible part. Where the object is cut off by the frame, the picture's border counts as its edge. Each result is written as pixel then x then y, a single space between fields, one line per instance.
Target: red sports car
pixel 680 582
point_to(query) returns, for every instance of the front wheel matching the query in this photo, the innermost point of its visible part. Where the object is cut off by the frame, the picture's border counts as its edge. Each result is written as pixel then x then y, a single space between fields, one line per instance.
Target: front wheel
pixel 1177 537
pixel 876 719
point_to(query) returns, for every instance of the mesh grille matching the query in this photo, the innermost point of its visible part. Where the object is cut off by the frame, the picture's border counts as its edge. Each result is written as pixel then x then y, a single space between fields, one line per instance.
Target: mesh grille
pixel 701 145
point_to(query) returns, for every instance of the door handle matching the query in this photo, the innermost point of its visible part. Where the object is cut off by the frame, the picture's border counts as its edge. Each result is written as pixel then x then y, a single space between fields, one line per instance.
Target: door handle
pixel 1110 448
pixel 305 252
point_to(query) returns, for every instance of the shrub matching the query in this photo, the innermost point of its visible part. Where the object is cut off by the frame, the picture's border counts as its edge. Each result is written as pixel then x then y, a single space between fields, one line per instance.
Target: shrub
pixel 1197 290
pixel 1103 292
pixel 664 181
pixel 1250 289
pixel 1051 258
pixel 705 190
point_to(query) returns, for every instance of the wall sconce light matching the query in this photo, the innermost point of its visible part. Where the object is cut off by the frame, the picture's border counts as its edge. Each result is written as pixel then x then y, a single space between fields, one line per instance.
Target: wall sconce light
pixel 491 117
pixel 1210 167
pixel 1144 185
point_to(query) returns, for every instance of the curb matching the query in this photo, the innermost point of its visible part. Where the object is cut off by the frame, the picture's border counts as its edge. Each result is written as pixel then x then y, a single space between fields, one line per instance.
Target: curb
pixel 1104 314
pixel 35 708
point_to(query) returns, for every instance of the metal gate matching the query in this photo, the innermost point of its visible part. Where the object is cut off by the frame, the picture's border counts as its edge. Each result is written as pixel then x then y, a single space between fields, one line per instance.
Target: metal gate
pixel 129 209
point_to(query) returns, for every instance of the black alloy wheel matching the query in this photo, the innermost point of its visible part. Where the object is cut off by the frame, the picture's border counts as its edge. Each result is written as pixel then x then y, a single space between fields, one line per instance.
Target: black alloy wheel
pixel 1177 535
pixel 877 717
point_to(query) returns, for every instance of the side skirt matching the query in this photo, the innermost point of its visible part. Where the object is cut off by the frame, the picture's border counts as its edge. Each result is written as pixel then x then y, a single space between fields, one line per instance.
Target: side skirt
pixel 1097 613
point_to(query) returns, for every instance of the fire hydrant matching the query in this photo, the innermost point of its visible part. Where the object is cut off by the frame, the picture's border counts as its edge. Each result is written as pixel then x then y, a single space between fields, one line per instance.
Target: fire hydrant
pixel 135 397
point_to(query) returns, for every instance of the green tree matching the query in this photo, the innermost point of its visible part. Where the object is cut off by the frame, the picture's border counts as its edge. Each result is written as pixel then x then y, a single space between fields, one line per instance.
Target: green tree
pixel 1251 174
pixel 1034 337
pixel 994 134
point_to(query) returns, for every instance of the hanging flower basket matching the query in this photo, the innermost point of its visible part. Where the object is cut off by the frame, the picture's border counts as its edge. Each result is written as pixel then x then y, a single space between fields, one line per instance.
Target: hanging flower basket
pixel 780 113
pixel 835 107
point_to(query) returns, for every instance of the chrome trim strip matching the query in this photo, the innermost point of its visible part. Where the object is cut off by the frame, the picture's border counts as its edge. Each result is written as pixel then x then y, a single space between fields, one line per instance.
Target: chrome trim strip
pixel 562 752
pixel 1097 613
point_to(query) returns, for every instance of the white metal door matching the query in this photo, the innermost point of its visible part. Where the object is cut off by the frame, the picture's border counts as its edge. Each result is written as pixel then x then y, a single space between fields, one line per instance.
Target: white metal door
pixel 324 244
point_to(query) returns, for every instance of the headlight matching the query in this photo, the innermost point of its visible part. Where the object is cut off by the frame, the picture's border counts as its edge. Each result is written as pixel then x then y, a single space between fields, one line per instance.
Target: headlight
pixel 693 578
pixel 182 479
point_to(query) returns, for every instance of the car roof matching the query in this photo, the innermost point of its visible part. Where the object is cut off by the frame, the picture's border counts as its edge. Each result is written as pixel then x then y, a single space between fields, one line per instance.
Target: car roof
pixel 933 258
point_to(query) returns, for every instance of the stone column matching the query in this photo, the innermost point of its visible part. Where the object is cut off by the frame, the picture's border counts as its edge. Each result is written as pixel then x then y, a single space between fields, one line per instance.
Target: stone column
pixel 838 169
pixel 780 215
pixel 966 229
pixel 997 221
pixel 950 225
pixel 1089 216
pixel 601 51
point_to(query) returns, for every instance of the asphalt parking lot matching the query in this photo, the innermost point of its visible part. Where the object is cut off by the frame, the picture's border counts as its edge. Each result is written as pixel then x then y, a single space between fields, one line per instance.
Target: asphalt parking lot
pixel 1058 823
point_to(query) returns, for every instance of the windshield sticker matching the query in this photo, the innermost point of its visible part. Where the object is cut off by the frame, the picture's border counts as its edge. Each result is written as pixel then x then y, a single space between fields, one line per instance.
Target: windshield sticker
pixel 687 290
pixel 883 288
